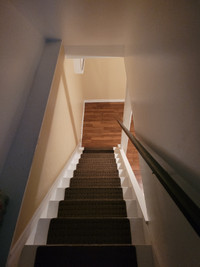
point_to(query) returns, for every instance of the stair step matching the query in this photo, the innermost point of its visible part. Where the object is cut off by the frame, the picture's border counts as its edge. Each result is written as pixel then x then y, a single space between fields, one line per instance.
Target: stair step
pixel 95 173
pixel 60 192
pixel 98 150
pixel 63 256
pixel 92 208
pixel 95 182
pixel 93 193
pixel 96 167
pixel 131 209
pixel 97 160
pixel 136 225
pixel 97 256
pixel 98 155
pixel 89 231
pixel 92 219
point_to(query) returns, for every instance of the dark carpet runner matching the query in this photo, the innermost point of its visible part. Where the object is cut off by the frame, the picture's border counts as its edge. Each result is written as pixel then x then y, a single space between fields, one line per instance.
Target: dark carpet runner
pixel 91 228
pixel 93 193
pixel 86 256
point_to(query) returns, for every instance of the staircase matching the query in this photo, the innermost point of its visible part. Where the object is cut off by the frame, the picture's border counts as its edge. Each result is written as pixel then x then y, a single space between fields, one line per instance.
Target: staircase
pixel 94 221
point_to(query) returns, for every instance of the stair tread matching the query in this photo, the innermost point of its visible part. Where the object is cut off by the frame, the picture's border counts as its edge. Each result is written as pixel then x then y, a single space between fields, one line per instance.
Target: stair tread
pixel 98 155
pixel 98 150
pixel 98 256
pixel 95 173
pixel 89 231
pixel 93 193
pixel 95 182
pixel 99 167
pixel 96 159
pixel 92 208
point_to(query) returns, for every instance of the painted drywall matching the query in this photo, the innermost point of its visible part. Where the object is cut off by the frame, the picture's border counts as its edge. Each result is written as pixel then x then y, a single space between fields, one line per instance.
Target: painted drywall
pixel 59 137
pixel 162 66
pixel 104 78
pixel 16 169
pixel 75 94
pixel 21 47
pixel 79 23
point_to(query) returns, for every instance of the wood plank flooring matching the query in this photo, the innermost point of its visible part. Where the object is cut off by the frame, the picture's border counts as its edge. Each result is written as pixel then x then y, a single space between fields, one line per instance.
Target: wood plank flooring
pixel 100 129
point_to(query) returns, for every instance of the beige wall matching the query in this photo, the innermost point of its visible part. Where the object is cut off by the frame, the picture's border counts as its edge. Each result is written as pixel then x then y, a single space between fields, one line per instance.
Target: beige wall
pixel 60 134
pixel 162 66
pixel 104 78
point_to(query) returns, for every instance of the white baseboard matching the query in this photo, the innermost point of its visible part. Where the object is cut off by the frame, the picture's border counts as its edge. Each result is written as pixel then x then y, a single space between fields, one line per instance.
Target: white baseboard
pixel 103 100
pixel 28 234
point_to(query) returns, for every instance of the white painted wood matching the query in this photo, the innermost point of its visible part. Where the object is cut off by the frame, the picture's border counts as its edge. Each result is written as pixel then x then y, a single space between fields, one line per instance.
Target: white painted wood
pixel 139 193
pixel 83 114
pixel 126 120
pixel 124 182
pixel 122 173
pixel 28 256
pixel 131 208
pixel 59 194
pixel 128 193
pixel 68 173
pixel 42 231
pixel 65 182
pixel 79 64
pixel 52 209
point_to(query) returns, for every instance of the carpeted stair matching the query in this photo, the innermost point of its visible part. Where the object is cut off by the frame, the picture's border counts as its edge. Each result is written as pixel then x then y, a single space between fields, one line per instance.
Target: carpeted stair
pixel 91 228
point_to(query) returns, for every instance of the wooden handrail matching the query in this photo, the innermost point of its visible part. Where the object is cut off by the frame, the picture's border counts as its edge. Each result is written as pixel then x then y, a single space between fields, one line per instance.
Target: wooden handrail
pixel 187 206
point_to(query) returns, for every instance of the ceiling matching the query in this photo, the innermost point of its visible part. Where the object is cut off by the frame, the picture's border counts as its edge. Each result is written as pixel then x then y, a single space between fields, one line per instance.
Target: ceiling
pixel 105 27
pixel 89 25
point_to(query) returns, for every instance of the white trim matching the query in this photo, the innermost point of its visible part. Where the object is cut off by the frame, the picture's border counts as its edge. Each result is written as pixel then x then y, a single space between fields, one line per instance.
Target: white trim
pixel 103 100
pixel 139 193
pixel 126 120
pixel 30 229
pixel 79 64
pixel 83 115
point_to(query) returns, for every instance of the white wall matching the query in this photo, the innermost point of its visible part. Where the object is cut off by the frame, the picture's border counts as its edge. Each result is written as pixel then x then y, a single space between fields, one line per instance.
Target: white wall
pixel 162 64
pixel 20 50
